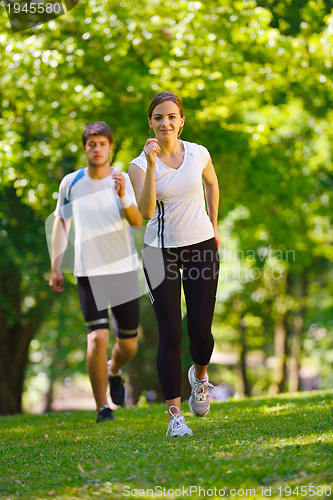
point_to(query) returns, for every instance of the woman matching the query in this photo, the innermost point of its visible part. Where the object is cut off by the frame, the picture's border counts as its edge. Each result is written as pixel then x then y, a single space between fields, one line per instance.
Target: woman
pixel 167 180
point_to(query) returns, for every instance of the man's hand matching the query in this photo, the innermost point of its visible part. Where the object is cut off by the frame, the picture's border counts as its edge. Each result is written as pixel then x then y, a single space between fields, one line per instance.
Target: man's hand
pixel 119 183
pixel 56 281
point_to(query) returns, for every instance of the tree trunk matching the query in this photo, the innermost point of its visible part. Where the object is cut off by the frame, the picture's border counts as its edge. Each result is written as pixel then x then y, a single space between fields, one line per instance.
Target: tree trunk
pixel 297 341
pixel 14 347
pixel 49 396
pixel 280 351
pixel 246 389
pixel 15 337
pixel 281 335
pixel 294 364
pixel 14 343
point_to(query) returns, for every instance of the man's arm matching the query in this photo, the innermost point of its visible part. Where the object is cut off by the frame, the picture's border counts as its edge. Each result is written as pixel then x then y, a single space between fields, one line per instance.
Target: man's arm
pixel 131 212
pixel 133 215
pixel 212 197
pixel 59 240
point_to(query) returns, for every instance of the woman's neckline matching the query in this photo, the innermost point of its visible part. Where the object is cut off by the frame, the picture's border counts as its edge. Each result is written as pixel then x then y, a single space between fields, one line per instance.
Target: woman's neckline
pixel 183 161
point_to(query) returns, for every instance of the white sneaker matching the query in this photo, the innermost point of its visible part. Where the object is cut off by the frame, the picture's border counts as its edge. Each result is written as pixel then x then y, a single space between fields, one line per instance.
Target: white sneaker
pixel 199 401
pixel 177 426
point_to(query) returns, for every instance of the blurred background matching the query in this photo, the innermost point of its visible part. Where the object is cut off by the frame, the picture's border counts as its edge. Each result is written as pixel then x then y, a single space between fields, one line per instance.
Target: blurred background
pixel 255 78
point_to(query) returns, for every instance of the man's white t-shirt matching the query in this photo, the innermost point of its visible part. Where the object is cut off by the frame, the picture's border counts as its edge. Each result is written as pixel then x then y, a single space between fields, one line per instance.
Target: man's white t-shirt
pixel 180 217
pixel 104 241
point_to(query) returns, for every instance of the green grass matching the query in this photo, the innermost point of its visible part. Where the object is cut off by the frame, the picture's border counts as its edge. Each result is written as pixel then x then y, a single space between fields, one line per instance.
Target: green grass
pixel 271 443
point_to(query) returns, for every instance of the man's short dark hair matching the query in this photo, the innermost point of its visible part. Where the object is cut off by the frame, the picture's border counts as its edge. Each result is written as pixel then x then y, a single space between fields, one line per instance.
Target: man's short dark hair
pixel 97 128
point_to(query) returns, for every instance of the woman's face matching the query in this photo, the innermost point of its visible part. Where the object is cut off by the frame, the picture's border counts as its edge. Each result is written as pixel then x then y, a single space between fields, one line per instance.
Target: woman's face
pixel 166 120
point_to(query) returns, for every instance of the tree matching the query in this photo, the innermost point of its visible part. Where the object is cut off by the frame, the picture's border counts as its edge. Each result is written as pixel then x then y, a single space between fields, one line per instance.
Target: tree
pixel 22 293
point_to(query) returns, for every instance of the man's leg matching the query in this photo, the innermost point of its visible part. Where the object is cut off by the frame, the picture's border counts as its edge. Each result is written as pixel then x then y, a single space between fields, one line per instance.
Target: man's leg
pixel 123 351
pixel 125 322
pixel 97 344
pixel 97 324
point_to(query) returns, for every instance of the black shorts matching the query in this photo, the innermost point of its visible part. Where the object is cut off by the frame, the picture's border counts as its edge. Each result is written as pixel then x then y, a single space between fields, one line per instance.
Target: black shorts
pixel 98 293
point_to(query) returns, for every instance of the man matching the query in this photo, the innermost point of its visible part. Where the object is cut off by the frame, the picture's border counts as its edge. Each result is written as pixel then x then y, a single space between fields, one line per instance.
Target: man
pixel 102 203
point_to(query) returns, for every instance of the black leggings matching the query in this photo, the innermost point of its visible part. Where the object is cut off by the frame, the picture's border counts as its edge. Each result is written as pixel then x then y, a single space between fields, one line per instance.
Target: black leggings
pixel 200 265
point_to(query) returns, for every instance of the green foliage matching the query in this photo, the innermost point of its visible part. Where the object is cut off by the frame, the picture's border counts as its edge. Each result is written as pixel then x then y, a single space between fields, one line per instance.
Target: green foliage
pixel 247 444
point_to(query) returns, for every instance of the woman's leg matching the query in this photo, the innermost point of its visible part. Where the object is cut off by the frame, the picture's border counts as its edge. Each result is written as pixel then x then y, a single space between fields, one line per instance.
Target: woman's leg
pixel 166 302
pixel 200 277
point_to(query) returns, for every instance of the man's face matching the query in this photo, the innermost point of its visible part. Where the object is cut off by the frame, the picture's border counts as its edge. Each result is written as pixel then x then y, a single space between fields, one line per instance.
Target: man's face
pixel 98 149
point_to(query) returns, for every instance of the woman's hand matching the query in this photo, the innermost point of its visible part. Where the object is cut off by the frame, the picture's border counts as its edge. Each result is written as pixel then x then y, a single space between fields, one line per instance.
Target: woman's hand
pixel 217 239
pixel 151 150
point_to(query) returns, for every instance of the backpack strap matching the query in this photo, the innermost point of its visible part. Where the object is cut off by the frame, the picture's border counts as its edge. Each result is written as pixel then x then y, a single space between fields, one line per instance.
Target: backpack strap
pixel 78 176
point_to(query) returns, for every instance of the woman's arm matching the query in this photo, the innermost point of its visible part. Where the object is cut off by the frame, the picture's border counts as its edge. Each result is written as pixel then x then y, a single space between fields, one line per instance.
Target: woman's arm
pixel 212 197
pixel 144 183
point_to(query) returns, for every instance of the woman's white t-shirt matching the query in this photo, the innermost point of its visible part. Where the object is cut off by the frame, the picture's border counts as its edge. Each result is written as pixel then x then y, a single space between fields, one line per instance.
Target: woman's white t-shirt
pixel 180 217
pixel 104 241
